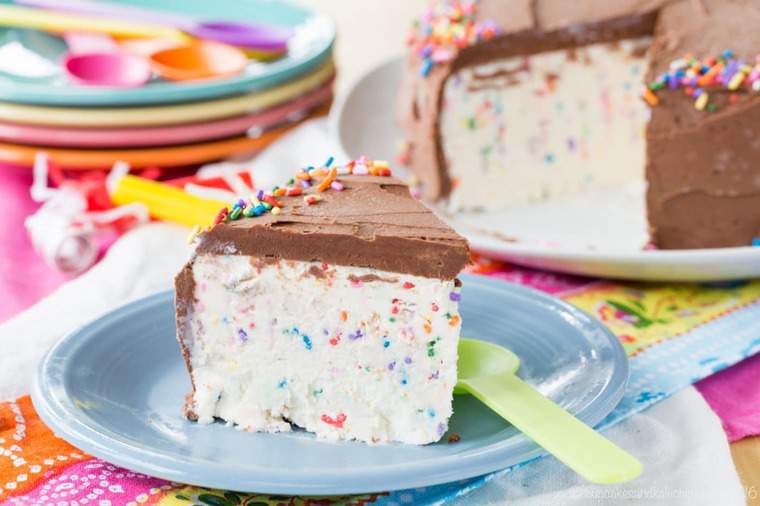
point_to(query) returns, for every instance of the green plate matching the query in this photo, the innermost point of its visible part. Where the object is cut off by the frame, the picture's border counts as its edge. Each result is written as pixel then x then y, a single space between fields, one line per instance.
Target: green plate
pixel 310 46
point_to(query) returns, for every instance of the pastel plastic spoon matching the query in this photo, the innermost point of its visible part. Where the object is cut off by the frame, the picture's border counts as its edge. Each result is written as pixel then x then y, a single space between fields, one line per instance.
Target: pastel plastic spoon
pixel 94 59
pixel 199 60
pixel 114 69
pixel 57 22
pixel 261 38
pixel 487 371
pixel 103 62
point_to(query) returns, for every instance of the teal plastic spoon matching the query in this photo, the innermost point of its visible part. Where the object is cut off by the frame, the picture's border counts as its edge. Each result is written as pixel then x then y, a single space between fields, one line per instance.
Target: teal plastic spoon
pixel 487 371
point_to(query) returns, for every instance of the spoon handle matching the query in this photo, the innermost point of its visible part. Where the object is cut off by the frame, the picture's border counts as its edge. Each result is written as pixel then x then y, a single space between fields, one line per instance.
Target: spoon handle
pixel 113 10
pixel 574 443
pixel 24 17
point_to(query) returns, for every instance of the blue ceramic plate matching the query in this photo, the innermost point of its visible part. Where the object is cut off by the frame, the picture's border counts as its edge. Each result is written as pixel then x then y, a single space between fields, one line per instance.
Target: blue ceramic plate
pixel 310 46
pixel 116 386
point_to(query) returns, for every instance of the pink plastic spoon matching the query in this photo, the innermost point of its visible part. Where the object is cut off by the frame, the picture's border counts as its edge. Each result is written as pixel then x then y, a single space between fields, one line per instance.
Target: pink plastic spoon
pixel 120 70
pixel 95 60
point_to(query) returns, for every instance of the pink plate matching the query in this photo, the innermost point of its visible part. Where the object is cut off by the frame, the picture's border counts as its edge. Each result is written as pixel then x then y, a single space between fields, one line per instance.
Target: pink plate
pixel 163 135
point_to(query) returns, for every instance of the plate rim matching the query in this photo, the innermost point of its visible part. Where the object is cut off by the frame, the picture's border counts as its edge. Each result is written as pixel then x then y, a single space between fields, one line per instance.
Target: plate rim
pixel 644 265
pixel 164 135
pixel 170 92
pixel 169 113
pixel 58 412
pixel 170 156
pixel 531 255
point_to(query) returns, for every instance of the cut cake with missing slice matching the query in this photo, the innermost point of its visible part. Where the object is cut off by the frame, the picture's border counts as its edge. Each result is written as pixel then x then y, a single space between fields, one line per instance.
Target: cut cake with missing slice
pixel 506 103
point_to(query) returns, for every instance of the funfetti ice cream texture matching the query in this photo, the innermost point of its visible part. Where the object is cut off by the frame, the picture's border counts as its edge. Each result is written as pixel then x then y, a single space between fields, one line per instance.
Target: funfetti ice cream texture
pixel 329 303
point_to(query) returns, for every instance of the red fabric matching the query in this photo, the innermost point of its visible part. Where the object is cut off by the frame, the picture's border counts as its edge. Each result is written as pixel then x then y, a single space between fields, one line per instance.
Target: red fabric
pixel 24 276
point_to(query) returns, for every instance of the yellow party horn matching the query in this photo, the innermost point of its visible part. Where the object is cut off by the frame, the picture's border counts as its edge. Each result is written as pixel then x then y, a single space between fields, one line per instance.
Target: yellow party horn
pixel 165 202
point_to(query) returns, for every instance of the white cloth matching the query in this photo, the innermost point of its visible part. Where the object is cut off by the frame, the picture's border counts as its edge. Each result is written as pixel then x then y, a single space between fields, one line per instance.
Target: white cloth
pixel 680 441
pixel 142 262
pixel 686 462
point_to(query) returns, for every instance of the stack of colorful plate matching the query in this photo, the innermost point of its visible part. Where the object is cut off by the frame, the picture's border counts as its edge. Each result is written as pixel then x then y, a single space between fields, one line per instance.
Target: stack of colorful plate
pixel 163 123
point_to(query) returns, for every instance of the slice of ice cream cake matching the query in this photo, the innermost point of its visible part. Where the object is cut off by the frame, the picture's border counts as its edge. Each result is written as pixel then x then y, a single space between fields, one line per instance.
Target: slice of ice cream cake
pixel 329 303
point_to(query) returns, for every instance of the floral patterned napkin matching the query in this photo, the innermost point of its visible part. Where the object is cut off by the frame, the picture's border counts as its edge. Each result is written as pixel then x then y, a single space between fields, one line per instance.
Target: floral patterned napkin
pixel 675 335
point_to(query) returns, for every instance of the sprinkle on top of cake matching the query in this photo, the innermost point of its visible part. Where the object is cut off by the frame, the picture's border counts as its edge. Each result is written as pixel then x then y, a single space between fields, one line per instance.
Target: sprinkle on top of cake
pixel 697 78
pixel 355 215
pixel 311 180
pixel 446 27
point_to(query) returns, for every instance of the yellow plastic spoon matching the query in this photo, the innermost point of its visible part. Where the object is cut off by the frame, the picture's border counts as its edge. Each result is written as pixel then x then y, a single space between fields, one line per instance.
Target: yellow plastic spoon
pixel 49 21
pixel 487 371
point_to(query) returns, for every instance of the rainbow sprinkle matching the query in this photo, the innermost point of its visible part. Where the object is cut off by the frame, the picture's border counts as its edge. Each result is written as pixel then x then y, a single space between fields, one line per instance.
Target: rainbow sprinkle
pixel 310 200
pixel 311 179
pixel 724 72
pixel 193 234
pixel 447 26
pixel 337 422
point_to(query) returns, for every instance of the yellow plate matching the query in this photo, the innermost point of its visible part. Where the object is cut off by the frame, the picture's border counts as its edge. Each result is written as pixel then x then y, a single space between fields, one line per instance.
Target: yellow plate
pixel 169 156
pixel 168 114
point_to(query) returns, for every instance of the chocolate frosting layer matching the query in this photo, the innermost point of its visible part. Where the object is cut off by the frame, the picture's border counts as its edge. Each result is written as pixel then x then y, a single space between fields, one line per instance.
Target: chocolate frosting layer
pixel 374 222
pixel 703 169
pixel 184 300
pixel 695 160
pixel 704 181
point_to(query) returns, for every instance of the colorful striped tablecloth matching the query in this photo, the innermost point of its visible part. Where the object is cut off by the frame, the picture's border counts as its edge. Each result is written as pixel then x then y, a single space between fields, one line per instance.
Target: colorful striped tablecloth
pixel 675 335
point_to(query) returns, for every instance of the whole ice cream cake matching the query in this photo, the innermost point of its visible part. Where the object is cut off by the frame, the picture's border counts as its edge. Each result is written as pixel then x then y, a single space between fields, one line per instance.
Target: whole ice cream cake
pixel 328 304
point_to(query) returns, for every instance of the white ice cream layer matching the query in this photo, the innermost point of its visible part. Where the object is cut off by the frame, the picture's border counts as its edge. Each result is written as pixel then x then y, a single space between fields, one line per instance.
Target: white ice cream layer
pixel 527 129
pixel 346 353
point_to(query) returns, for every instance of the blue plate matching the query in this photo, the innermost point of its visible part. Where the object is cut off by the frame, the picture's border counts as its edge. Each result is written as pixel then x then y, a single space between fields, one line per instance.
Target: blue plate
pixel 310 46
pixel 115 389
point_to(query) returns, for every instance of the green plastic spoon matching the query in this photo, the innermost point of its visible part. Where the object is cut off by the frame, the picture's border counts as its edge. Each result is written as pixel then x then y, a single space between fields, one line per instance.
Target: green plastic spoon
pixel 487 371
